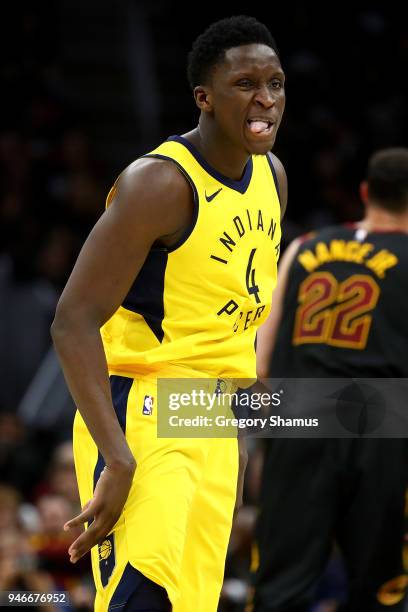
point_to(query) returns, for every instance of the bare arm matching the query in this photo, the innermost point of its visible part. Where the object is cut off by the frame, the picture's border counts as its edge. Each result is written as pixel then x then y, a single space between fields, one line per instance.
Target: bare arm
pixel 152 201
pixel 266 335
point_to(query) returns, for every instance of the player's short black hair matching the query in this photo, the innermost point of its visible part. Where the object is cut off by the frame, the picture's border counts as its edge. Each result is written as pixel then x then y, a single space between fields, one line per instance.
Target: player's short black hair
pixel 387 177
pixel 209 48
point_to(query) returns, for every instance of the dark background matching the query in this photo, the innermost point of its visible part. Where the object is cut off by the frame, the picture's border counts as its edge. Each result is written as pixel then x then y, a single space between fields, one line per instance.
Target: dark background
pixel 86 88
pixel 89 86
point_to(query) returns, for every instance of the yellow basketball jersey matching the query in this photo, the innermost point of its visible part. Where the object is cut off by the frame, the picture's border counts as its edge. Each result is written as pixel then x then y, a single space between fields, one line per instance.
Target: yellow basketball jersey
pixel 196 307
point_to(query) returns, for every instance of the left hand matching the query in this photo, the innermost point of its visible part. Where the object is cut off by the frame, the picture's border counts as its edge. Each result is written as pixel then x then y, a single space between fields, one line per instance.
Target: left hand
pixel 243 460
pixel 103 510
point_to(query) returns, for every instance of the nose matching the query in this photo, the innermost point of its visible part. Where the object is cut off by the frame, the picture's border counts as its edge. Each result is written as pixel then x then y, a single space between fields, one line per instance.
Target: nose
pixel 264 97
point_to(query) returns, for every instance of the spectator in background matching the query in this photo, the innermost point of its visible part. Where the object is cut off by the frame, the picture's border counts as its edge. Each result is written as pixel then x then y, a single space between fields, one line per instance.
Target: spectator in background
pixel 61 479
pixel 19 569
pixel 50 543
pixel 10 500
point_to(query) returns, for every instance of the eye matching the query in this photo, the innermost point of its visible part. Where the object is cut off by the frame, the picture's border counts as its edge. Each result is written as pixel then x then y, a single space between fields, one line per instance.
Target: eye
pixel 276 84
pixel 245 83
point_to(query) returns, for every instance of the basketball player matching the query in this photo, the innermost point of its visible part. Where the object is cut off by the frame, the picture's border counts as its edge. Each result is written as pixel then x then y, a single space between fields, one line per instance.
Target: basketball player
pixel 344 292
pixel 173 282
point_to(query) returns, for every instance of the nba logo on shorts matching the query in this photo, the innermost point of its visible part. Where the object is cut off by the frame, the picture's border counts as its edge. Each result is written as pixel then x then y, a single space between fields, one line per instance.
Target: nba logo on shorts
pixel 148 404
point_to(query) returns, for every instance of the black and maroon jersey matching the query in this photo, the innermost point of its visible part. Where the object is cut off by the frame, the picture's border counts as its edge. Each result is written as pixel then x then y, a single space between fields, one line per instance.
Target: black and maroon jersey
pixel 345 311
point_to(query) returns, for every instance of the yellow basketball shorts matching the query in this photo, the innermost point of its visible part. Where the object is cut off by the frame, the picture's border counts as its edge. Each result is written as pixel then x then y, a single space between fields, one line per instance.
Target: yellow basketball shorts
pixel 176 523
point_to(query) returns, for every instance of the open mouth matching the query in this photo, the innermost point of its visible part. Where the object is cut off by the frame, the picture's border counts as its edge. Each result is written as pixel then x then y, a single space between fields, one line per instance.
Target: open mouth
pixel 260 126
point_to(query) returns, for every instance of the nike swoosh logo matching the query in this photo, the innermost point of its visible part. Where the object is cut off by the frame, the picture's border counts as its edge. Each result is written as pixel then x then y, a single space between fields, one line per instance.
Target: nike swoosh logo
pixel 212 196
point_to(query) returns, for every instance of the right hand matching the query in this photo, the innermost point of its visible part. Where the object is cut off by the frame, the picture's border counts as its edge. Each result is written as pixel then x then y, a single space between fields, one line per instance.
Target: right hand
pixel 104 509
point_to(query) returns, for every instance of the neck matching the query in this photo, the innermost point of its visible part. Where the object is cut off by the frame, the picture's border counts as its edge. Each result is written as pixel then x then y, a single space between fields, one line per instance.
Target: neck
pixel 379 219
pixel 220 153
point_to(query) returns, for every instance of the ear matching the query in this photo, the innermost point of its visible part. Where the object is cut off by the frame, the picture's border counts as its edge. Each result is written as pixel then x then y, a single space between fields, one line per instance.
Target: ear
pixel 203 98
pixel 364 192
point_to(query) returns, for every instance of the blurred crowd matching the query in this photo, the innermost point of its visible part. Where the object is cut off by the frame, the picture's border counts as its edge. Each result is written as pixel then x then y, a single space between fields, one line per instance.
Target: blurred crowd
pixel 345 99
pixel 33 545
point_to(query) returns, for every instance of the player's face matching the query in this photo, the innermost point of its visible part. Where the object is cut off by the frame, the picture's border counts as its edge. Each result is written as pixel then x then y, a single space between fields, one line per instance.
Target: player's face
pixel 248 96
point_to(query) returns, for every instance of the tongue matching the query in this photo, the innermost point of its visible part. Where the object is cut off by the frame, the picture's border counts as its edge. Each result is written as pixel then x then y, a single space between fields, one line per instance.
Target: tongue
pixel 258 126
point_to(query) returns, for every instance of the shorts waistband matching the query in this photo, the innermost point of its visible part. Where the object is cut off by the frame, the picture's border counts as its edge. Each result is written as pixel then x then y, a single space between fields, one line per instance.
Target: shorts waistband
pixel 207 382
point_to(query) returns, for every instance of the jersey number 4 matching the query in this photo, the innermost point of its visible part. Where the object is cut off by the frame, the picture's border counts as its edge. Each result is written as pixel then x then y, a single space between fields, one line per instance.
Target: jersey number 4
pixel 252 287
pixel 335 313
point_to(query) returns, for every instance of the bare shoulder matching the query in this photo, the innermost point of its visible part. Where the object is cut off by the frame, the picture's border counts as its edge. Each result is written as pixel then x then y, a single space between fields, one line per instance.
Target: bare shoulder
pixel 156 175
pixel 150 203
pixel 282 181
pixel 153 192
